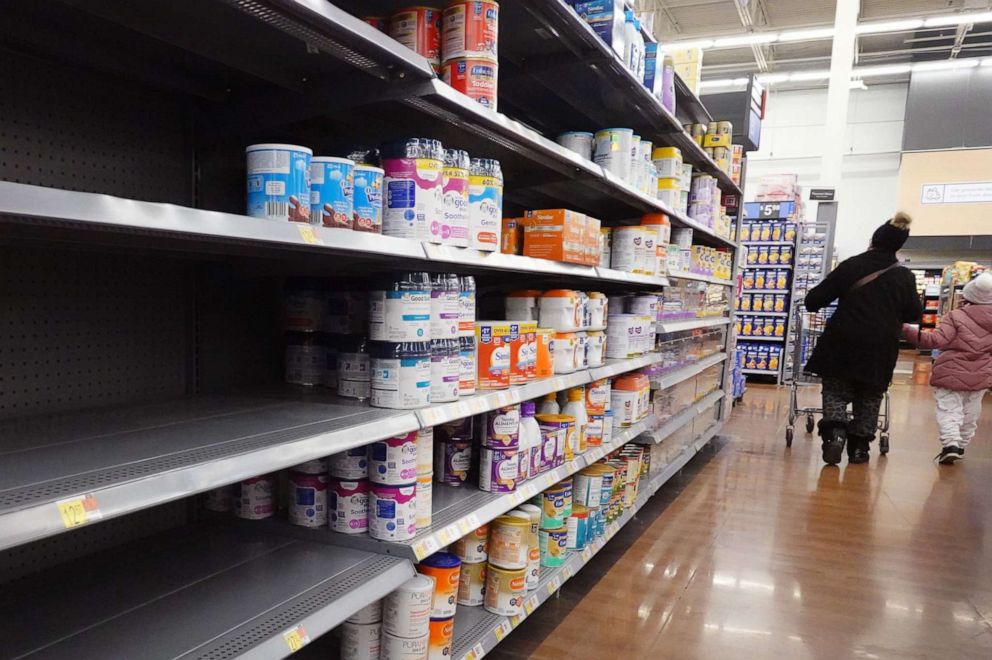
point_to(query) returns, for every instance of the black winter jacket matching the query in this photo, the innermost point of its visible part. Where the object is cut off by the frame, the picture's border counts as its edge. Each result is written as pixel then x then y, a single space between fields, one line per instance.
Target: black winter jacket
pixel 861 341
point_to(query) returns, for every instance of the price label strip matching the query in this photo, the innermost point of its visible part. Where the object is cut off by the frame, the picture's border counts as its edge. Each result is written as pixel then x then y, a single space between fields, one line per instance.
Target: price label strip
pixel 309 235
pixel 77 511
pixel 296 638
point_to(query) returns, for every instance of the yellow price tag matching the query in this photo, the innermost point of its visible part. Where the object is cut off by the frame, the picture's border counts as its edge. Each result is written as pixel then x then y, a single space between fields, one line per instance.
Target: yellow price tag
pixel 529 605
pixel 499 633
pixel 296 638
pixel 550 586
pixel 309 235
pixel 470 655
pixel 567 572
pixel 514 621
pixel 464 527
pixel 78 511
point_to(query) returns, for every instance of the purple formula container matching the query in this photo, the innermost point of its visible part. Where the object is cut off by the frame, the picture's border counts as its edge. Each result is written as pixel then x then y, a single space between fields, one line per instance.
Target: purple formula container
pixel 501 428
pixel 393 461
pixel 499 470
pixel 452 461
pixel 348 506
pixel 393 512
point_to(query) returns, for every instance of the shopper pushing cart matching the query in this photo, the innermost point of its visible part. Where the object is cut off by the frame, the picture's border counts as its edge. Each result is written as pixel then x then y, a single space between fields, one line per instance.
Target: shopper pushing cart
pixel 856 353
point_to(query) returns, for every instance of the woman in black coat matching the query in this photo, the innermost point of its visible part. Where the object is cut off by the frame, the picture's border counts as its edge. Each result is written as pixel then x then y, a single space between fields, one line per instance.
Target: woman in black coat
pixel 857 352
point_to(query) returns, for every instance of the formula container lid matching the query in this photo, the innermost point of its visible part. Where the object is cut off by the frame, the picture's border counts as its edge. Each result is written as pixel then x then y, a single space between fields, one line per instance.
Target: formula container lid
pixel 575 133
pixel 596 294
pixel 527 409
pixel 417 584
pixel 513 521
pixel 525 293
pixel 282 147
pixel 576 394
pixel 564 419
pixel 413 148
pixel 442 560
pixel 456 158
pixel 559 293
pixel 531 509
pixel 567 335
pixel 604 131
pixel 369 168
pixel 655 219
pixel 666 152
pixel 332 159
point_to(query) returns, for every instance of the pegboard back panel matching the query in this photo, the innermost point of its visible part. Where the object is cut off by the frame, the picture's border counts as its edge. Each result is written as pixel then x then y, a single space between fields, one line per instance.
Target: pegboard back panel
pixel 68 128
pixel 85 329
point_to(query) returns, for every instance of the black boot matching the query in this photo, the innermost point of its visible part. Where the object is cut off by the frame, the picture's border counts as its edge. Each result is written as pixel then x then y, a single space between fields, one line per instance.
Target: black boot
pixel 834 436
pixel 857 448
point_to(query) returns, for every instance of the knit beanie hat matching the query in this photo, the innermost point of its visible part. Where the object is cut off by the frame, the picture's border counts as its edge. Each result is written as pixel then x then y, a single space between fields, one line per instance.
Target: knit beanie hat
pixel 979 290
pixel 893 234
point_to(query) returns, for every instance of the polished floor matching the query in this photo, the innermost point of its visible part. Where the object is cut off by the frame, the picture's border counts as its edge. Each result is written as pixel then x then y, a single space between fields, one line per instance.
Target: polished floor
pixel 758 551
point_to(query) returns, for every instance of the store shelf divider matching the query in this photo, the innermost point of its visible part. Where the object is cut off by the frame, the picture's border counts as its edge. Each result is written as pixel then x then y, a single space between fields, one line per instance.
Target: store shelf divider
pixel 690 324
pixel 684 373
pixel 679 420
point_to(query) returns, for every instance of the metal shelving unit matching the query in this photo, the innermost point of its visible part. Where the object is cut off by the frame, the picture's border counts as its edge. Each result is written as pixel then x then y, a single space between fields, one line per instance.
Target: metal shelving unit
pixel 691 324
pixel 203 593
pixel 123 231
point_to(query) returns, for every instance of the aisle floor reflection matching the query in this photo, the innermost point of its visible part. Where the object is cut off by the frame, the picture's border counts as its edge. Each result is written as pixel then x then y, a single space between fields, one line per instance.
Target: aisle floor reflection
pixel 758 551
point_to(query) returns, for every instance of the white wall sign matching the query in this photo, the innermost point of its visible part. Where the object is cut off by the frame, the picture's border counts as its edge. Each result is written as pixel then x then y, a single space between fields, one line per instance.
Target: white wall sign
pixel 973 192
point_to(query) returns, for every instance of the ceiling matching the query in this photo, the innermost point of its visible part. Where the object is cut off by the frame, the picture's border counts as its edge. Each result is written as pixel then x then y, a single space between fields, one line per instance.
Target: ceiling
pixel 678 20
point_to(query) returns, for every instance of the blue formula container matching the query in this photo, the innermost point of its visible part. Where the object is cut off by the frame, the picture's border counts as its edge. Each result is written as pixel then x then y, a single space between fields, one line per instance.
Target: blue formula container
pixel 332 183
pixel 279 182
pixel 367 199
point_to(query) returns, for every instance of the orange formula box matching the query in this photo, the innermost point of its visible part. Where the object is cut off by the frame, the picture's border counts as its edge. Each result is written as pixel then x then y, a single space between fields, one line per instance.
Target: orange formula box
pixel 555 234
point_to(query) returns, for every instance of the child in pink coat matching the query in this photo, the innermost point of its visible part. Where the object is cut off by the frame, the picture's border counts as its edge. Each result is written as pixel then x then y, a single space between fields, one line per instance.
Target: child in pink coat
pixel 962 372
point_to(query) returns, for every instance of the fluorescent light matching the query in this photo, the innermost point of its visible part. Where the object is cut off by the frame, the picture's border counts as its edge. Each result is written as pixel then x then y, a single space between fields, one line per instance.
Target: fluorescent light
pixel 942 65
pixel 768 78
pixel 886 70
pixel 723 82
pixel 806 35
pixel 746 40
pixel 858 84
pixel 958 19
pixel 889 26
pixel 702 44
pixel 809 75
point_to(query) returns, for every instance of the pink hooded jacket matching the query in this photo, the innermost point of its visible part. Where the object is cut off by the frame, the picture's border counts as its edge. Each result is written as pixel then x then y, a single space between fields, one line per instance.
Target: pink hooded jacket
pixel 964 339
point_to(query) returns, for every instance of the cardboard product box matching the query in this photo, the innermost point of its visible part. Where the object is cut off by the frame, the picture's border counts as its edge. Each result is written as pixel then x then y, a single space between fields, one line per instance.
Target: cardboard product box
pixel 652 69
pixel 592 240
pixel 555 234
pixel 719 140
pixel 512 236
pixel 606 18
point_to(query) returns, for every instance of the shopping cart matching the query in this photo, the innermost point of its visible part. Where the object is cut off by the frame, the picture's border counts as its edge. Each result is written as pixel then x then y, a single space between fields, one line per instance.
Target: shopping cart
pixel 809 327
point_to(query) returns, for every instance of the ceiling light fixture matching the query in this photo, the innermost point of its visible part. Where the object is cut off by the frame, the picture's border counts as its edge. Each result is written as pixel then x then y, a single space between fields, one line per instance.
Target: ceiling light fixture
pixel 943 65
pixel 806 35
pixel 958 19
pixel 769 78
pixel 889 26
pixel 746 40
pixel 883 70
pixel 798 76
pixel 856 74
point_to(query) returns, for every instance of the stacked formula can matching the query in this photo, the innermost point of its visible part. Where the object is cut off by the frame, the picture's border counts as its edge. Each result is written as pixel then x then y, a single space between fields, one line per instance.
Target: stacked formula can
pixel 469 38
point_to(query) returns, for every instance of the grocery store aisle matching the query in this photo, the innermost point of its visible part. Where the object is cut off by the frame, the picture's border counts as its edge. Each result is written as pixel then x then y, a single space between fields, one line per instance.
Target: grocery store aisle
pixel 764 553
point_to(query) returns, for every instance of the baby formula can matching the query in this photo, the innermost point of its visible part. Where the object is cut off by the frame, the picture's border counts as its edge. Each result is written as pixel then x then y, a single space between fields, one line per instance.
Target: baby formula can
pixel 597 307
pixel 564 352
pixel 587 487
pixel 419 29
pixel 401 375
pixel 445 370
pixel 350 464
pixel 303 304
pixel 406 611
pixel 393 512
pixel 594 430
pixel 360 641
pixel 453 461
pixel 348 506
pixel 467 366
pixel 425 500
pixel 279 182
pixel 544 360
pixel 474 77
pixel 533 513
pixel 668 162
pixel 413 172
pixel 256 499
pixel 606 247
pixel 492 341
pixel 613 149
pixel 555 503
pixel 582 350
pixel 308 499
pixel 439 645
pixel 425 451
pixel 400 309
pixel 367 199
pixel 332 182
pixel 485 204
pixel 371 613
pixel 404 648
pixel 443 568
pixel 628 251
pixel 466 306
pixel 470 29
pixel 221 500
pixel 564 425
pixel 578 141
pixel 505 590
pixel 306 359
pixel 522 305
pixel 472 584
pixel 598 396
pixel 499 470
pixel 393 461
pixel 452 227
pixel 473 547
pixel 501 428
pixel 508 542
pixel 560 309
pixel 578 527
pixel 554 546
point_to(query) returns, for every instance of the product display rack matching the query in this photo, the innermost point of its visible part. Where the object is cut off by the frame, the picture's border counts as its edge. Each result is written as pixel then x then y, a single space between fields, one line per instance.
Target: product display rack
pixel 478 631
pixel 149 177
pixel 814 259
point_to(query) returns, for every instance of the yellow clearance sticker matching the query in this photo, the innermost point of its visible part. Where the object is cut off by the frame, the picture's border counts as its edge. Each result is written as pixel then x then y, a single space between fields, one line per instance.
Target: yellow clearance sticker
pixel 309 235
pixel 78 511
pixel 296 638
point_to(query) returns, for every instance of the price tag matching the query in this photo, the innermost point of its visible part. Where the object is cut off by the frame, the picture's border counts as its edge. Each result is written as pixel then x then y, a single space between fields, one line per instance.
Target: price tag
pixel 432 416
pixel 433 250
pixel 529 490
pixel 556 582
pixel 464 527
pixel 586 554
pixel 474 522
pixel 309 235
pixel 530 604
pixel 78 511
pixel 567 572
pixel 503 398
pixel 463 408
pixel 420 549
pixel 470 655
pixel 517 498
pixel 478 405
pixel 479 650
pixel 514 621
pixel 449 534
pixel 550 586
pixel 296 638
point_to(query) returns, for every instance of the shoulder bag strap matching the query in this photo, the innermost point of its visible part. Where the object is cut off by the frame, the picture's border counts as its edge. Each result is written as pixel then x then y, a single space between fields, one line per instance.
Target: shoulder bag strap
pixel 871 277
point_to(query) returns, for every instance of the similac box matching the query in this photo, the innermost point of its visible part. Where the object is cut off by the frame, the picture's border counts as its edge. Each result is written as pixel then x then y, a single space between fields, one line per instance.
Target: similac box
pixel 555 234
pixel 492 341
pixel 591 241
